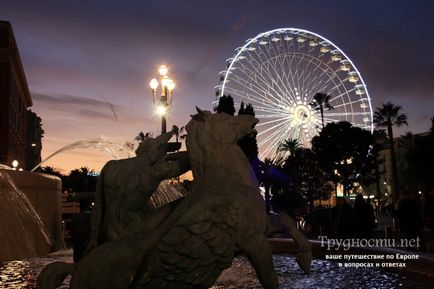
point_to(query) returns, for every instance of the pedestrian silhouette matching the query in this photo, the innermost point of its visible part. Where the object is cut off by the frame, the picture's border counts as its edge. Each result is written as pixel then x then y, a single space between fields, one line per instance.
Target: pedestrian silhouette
pixel 409 215
pixel 364 218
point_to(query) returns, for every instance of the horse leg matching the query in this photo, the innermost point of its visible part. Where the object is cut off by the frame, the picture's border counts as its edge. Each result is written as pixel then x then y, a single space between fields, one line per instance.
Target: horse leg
pixel 259 254
pixel 111 265
pixel 304 258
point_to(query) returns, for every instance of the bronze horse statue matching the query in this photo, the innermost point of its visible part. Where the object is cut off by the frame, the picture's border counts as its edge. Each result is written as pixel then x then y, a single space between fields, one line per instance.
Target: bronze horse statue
pixel 197 239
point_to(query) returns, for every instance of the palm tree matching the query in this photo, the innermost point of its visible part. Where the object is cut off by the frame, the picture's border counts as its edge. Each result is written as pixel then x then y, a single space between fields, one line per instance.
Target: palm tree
pixel 142 136
pixel 380 138
pixel 178 132
pixel 289 145
pixel 52 171
pixel 387 116
pixel 320 102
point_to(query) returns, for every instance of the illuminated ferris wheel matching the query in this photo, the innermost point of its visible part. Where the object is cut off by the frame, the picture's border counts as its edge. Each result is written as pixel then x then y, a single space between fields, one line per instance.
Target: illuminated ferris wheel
pixel 280 71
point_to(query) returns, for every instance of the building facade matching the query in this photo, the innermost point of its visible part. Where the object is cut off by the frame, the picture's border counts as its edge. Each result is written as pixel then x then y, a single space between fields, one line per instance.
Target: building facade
pixel 34 140
pixel 15 99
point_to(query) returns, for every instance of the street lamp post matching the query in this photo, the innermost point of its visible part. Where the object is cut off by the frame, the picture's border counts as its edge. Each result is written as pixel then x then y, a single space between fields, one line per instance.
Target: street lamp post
pixel 163 104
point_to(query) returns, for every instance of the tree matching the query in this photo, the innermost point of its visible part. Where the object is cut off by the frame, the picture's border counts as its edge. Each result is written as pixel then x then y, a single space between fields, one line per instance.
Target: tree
pixel 321 102
pixel 248 143
pixel 305 176
pixel 246 109
pixel 82 180
pixel 142 136
pixel 342 152
pixel 52 171
pixel 226 105
pixel 387 116
pixel 380 138
pixel 432 127
pixel 289 145
pixel 178 132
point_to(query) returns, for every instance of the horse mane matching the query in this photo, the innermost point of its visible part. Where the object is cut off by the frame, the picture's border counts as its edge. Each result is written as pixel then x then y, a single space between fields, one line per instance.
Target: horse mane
pixel 195 152
pixel 197 147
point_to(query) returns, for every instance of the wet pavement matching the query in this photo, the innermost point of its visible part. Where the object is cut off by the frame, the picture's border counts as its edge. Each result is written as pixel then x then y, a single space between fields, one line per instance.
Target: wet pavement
pixel 324 274
pixel 23 274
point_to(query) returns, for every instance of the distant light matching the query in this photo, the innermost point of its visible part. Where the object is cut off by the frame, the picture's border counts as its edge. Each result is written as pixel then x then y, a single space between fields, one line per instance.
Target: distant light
pixel 313 43
pixel 15 164
pixel 325 49
pixel 163 70
pixel 33 144
pixel 301 39
pixel 153 84
pixel 385 183
pixel 420 192
pixel 170 85
pixel 93 204
pixel 165 81
pixel 161 110
pixel 385 194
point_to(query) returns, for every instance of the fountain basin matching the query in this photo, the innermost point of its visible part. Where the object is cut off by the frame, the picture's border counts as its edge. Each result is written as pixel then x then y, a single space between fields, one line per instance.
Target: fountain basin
pixel 30 214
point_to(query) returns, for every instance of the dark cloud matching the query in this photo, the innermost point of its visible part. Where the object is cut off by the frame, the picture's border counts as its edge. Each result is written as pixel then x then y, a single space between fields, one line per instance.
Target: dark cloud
pixel 61 100
pixel 87 109
pixel 80 105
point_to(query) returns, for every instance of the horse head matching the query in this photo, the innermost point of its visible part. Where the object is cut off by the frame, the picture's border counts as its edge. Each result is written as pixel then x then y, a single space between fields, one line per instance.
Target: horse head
pixel 220 128
pixel 154 148
pixel 206 131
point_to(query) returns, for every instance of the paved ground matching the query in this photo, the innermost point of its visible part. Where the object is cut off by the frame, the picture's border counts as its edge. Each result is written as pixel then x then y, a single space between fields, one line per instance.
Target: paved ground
pixel 324 274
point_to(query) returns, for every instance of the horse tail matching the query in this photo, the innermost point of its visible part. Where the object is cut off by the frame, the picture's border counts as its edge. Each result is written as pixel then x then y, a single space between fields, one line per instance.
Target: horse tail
pixel 53 274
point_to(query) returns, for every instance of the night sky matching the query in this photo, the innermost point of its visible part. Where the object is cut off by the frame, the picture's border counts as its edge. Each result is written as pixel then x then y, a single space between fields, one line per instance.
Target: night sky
pixel 88 63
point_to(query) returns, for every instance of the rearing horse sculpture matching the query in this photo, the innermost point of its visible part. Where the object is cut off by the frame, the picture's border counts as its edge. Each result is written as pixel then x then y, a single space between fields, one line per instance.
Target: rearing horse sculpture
pixel 223 215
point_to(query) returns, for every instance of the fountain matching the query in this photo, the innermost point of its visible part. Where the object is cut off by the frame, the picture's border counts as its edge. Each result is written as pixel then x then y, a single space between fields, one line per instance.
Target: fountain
pixel 113 257
pixel 113 148
pixel 30 217
pixel 30 210
pixel 166 192
pixel 187 243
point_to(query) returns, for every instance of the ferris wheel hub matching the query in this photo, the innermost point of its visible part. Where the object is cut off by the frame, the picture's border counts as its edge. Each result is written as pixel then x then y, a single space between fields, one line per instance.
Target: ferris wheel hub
pixel 301 114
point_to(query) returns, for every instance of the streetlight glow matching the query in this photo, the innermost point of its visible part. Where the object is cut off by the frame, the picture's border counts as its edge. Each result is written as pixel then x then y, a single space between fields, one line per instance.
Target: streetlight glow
pixel 165 81
pixel 153 84
pixel 161 110
pixel 163 70
pixel 170 85
pixel 162 104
